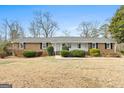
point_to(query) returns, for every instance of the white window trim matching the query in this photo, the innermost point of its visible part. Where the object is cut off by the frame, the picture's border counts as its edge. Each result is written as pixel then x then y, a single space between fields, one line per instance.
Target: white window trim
pixel 44 45
pixel 109 46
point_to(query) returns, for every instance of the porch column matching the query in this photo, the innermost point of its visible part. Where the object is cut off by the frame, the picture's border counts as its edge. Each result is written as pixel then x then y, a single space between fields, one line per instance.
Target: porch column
pixel 13 48
pixel 115 47
pixel 55 48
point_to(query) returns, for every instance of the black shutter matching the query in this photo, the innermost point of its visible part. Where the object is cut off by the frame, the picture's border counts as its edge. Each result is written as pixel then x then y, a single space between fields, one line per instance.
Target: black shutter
pixel 79 45
pixel 111 46
pixel 24 45
pixel 47 44
pixel 40 45
pixel 105 46
pixel 96 45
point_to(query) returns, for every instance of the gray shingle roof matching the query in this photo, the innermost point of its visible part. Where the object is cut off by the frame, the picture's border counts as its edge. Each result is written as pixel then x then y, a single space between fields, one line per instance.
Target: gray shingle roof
pixel 65 40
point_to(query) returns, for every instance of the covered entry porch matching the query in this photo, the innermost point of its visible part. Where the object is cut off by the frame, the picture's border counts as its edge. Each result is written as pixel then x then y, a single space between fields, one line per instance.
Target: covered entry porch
pixel 72 46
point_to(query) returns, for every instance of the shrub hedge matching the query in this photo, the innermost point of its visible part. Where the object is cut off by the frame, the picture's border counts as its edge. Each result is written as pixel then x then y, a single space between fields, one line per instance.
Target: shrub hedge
pixel 29 54
pixel 32 53
pixel 3 54
pixel 94 52
pixel 73 53
pixel 50 50
pixel 122 51
pixel 4 51
pixel 65 53
pixel 77 53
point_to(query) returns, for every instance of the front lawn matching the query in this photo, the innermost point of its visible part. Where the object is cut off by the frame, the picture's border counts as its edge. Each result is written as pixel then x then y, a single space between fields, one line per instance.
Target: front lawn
pixel 50 72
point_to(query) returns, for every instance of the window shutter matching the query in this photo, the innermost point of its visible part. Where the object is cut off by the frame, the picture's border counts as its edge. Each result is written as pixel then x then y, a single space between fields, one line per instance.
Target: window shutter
pixel 79 45
pixel 47 44
pixel 111 46
pixel 40 45
pixel 105 46
pixel 96 45
pixel 24 45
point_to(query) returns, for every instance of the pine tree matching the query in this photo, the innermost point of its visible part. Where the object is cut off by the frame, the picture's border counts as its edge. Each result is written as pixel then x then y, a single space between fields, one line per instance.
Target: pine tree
pixel 116 27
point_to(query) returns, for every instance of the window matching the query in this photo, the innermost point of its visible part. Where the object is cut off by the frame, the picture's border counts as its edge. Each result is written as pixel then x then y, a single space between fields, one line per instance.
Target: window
pixel 93 45
pixel 63 44
pixel 48 44
pixel 79 45
pixel 69 45
pixel 89 45
pixel 108 45
pixel 44 45
pixel 21 45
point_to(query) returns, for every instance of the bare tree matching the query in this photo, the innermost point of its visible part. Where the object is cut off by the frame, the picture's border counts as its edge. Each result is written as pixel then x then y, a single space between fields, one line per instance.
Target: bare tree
pixel 4 29
pixel 95 33
pixel 15 30
pixel 34 29
pixel 88 29
pixel 66 33
pixel 1 35
pixel 45 23
pixel 104 31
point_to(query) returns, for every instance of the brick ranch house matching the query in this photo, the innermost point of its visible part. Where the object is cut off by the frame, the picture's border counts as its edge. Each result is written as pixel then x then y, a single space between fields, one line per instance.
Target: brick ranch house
pixel 38 44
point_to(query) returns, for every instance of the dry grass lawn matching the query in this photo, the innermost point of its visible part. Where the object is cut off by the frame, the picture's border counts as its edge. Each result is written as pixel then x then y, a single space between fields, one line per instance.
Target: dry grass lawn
pixel 50 72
